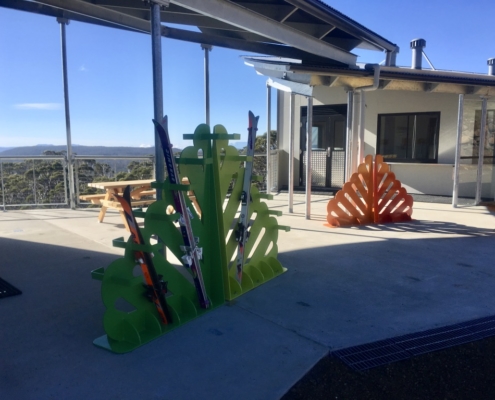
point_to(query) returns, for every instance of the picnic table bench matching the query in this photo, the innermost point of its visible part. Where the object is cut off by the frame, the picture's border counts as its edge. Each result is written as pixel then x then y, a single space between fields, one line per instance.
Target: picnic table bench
pixel 139 189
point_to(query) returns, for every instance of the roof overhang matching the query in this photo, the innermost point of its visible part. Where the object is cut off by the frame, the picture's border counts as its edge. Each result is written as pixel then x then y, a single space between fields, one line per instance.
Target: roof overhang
pixel 307 30
pixel 391 78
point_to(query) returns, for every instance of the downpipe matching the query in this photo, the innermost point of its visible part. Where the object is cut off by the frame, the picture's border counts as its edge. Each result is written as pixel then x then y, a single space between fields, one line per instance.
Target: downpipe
pixel 361 90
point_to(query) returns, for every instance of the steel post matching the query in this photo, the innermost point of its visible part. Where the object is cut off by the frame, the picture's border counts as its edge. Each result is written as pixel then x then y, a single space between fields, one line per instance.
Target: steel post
pixel 481 151
pixel 291 154
pixel 309 145
pixel 156 48
pixel 460 116
pixel 348 137
pixel 72 199
pixel 362 114
pixel 207 49
pixel 268 137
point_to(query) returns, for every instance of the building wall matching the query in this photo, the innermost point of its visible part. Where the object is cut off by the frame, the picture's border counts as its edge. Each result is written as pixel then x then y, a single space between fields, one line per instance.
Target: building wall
pixel 435 179
pixel 390 102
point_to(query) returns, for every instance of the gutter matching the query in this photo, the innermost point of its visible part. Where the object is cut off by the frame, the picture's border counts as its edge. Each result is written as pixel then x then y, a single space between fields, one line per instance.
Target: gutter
pixel 376 80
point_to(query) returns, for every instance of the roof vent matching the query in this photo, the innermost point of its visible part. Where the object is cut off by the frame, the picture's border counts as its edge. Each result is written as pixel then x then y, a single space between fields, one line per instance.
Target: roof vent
pixel 491 66
pixel 417 46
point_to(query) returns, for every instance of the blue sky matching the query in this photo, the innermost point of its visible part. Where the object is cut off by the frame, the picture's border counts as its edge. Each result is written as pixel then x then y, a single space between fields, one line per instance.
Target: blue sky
pixel 110 83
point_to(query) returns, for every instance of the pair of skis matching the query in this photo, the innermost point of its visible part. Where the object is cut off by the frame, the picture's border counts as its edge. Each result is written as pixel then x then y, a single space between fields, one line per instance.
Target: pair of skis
pixel 242 233
pixel 192 252
pixel 156 288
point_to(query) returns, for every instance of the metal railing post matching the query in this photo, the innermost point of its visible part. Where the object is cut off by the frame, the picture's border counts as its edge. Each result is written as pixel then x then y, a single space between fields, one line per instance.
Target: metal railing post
pixel 34 184
pixel 76 171
pixel 3 186
pixel 65 180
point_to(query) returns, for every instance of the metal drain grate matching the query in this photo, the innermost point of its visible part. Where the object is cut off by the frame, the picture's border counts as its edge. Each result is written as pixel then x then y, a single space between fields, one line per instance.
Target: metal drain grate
pixel 384 352
pixel 7 290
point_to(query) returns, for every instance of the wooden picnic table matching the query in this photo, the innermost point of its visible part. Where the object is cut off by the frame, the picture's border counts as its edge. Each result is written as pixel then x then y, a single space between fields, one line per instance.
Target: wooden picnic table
pixel 139 188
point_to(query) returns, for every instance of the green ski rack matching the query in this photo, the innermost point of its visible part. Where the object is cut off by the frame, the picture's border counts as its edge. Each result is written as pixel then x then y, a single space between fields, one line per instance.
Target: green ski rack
pixel 209 167
pixel 261 248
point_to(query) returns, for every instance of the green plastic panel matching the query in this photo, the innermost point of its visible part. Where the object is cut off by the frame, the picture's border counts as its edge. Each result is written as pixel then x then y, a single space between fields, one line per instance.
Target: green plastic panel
pixel 261 251
pixel 210 166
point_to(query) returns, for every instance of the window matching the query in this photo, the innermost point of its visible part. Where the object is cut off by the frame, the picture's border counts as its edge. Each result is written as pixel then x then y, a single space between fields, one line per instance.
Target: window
pixel 411 137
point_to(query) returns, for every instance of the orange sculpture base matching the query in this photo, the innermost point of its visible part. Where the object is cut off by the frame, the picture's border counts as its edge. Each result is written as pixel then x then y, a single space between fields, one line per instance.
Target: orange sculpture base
pixel 372 195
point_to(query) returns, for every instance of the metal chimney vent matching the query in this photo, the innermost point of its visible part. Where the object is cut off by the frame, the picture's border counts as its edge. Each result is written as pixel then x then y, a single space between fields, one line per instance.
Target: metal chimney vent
pixel 417 46
pixel 491 66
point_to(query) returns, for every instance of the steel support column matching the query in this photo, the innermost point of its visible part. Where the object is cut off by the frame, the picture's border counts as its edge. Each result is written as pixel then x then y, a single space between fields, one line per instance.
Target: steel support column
pixel 268 137
pixel 460 117
pixel 309 145
pixel 70 165
pixel 362 114
pixel 156 48
pixel 291 154
pixel 207 48
pixel 481 151
pixel 348 137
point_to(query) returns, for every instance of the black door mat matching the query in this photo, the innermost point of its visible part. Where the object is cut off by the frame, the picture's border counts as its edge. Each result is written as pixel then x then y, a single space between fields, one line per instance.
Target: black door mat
pixel 383 352
pixel 7 290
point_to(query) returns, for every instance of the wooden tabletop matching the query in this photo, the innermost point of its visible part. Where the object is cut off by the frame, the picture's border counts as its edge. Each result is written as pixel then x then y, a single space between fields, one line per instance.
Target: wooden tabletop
pixel 120 184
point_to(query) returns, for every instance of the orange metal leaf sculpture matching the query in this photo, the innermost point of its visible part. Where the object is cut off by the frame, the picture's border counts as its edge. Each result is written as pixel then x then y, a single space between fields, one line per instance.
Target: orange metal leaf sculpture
pixel 372 195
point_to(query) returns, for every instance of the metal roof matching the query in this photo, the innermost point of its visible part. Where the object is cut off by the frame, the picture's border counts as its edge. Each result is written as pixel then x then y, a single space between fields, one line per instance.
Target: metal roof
pixel 391 78
pixel 308 30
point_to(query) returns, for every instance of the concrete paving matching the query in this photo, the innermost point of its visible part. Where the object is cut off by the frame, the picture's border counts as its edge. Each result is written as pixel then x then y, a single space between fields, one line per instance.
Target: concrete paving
pixel 343 287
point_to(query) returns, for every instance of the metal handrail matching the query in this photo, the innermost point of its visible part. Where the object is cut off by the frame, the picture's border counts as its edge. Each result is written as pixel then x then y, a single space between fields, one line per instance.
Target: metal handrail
pixel 84 157
pixel 103 157
pixel 26 158
pixel 63 158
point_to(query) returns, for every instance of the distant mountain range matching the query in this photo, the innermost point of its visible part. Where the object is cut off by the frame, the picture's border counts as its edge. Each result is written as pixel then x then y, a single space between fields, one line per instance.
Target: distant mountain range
pixel 79 150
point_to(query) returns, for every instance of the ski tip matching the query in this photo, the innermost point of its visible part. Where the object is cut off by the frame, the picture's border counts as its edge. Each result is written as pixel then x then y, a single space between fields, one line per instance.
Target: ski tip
pixel 253 121
pixel 163 123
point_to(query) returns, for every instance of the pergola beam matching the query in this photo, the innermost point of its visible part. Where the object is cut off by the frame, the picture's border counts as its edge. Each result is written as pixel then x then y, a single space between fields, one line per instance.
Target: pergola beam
pixel 246 19
pixel 81 11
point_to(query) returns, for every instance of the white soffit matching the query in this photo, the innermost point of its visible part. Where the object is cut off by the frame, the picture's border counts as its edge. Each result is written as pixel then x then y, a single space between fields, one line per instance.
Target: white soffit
pixel 290 87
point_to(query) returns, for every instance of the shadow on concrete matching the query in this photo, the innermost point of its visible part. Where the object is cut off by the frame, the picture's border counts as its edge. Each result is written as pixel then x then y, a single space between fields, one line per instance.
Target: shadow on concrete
pixel 332 296
pixel 415 226
pixel 347 294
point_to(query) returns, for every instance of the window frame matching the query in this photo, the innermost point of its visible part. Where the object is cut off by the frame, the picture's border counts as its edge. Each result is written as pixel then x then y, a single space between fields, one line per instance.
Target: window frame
pixel 410 160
